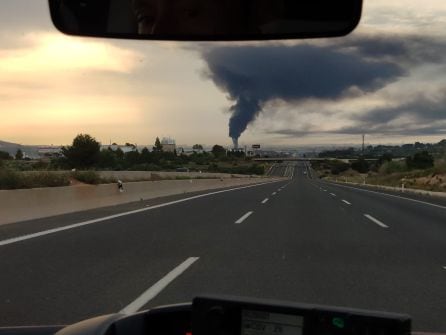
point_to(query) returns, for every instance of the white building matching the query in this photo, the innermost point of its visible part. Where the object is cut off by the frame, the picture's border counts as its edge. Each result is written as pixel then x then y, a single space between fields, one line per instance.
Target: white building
pixel 168 144
pixel 47 152
pixel 114 147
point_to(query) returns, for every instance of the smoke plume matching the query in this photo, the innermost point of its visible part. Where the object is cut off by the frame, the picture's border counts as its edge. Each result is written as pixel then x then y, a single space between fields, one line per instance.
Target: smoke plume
pixel 255 75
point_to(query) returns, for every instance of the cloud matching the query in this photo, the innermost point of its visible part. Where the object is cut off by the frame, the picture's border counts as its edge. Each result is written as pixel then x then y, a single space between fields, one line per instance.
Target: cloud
pixel 332 72
pixel 405 50
pixel 255 75
pixel 53 52
pixel 423 114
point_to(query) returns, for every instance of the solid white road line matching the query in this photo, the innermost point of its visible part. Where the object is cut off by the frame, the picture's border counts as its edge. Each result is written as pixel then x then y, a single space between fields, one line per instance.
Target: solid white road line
pixel 110 217
pixel 160 285
pixel 244 217
pixel 379 223
pixel 265 200
pixel 345 201
pixel 391 195
pixel 332 194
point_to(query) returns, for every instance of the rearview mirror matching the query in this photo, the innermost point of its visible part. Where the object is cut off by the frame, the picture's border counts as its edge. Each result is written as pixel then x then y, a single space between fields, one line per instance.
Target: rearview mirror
pixel 202 20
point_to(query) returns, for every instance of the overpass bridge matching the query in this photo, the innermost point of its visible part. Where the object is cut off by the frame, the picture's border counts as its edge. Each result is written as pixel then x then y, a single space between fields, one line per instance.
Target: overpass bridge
pixel 308 159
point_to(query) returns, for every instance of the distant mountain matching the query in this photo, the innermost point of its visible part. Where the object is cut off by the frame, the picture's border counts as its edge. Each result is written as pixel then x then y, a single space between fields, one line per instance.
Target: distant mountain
pixel 11 148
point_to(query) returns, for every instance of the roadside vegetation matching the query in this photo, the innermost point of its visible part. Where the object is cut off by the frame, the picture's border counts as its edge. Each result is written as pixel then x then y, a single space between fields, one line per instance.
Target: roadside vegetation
pixel 422 170
pixel 10 179
pixel 79 163
pixel 85 153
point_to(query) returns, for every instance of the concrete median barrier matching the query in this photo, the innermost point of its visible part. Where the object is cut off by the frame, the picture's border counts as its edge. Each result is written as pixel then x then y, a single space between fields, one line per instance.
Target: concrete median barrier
pixel 158 175
pixel 21 205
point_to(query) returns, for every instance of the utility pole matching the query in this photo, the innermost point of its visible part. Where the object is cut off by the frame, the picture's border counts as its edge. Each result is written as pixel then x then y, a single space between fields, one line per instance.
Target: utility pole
pixel 363 138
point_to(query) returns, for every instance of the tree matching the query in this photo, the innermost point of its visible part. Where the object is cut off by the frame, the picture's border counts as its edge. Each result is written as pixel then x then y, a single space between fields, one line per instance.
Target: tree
pixel 107 159
pixel 19 154
pixel 146 156
pixel 83 153
pixel 218 151
pixel 386 157
pixel 361 165
pixel 421 160
pixel 158 146
pixel 336 167
pixel 119 154
pixel 132 158
pixel 5 155
pixel 197 147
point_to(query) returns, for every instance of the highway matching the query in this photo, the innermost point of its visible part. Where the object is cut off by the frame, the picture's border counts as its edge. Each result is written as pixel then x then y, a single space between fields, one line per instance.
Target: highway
pixel 299 239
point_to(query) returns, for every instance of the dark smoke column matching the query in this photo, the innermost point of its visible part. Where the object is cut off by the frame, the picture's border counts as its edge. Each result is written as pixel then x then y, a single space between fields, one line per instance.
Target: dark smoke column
pixel 243 112
pixel 252 76
pixel 235 142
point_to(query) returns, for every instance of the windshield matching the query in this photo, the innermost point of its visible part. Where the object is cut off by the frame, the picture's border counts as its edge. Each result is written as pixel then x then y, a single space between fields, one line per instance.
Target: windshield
pixel 135 174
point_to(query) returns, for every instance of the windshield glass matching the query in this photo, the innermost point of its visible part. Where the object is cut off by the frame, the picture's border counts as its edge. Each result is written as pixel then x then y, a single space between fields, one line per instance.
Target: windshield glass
pixel 311 171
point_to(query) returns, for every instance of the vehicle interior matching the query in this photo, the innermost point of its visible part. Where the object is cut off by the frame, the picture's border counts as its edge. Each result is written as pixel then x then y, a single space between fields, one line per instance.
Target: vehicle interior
pixel 230 35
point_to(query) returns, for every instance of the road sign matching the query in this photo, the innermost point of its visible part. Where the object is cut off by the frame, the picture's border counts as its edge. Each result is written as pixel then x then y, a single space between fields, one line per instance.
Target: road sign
pixel 256 146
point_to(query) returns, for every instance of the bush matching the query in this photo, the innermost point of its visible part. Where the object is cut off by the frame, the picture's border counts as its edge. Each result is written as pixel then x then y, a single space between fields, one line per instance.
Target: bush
pixel 10 180
pixel 39 165
pixel 440 166
pixel 421 160
pixel 87 177
pixel 361 165
pixel 47 179
pixel 5 155
pixel 336 167
pixel 393 167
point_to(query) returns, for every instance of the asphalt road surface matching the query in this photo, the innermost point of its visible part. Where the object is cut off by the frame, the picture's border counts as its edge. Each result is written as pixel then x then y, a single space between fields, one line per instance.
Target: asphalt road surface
pixel 299 239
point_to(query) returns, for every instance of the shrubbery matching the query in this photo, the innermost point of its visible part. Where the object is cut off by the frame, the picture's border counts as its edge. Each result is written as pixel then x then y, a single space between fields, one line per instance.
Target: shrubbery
pixel 421 160
pixel 87 177
pixel 393 167
pixel 10 179
pixel 361 166
pixel 337 167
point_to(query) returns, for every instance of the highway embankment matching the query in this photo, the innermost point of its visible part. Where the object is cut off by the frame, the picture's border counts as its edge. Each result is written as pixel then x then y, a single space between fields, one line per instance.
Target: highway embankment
pixel 26 204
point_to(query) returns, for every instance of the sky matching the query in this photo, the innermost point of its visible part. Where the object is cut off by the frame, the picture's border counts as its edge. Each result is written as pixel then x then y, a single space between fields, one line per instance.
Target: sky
pixel 387 80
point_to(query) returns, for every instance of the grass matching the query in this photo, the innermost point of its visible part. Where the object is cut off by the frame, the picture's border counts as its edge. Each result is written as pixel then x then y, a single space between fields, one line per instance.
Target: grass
pixel 432 179
pixel 10 180
pixel 87 177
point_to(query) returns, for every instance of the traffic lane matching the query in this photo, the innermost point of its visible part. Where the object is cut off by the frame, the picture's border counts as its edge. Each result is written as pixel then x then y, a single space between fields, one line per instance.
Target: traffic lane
pixel 417 204
pixel 303 169
pixel 72 275
pixel 432 199
pixel 32 226
pixel 278 171
pixel 418 231
pixel 420 226
pixel 304 246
